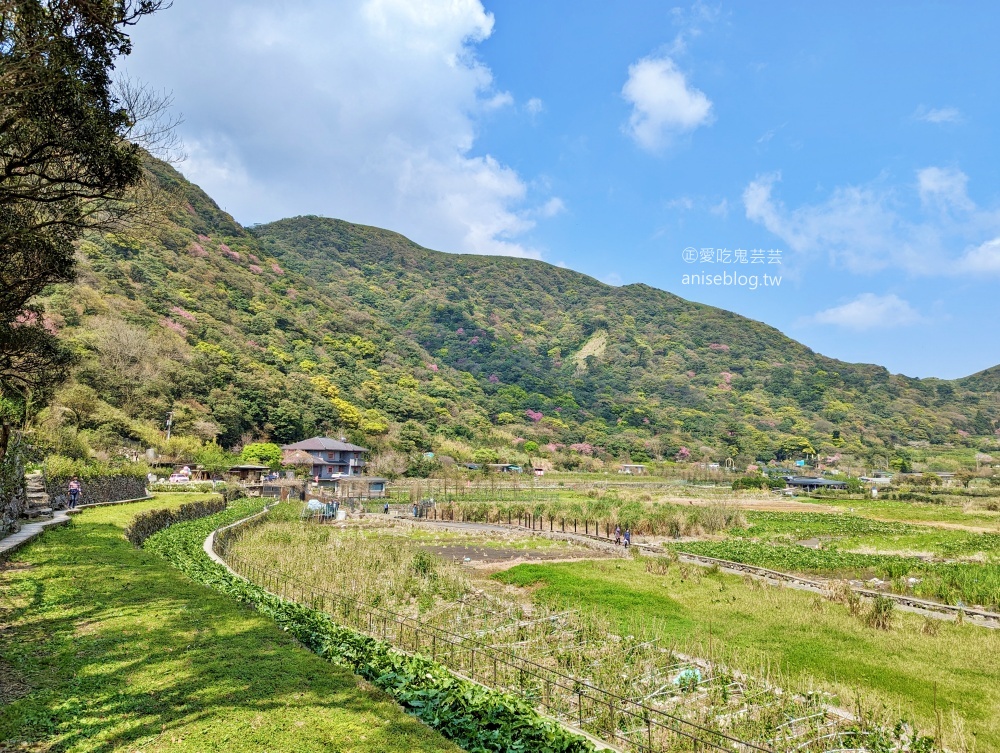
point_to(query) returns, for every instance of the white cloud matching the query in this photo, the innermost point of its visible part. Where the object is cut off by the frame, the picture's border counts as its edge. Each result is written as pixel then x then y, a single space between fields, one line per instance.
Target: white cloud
pixel 534 106
pixel 360 109
pixel 870 311
pixel 721 209
pixel 612 278
pixel 663 105
pixel 983 259
pixel 852 226
pixel 692 22
pixel 684 203
pixel 943 187
pixel 498 100
pixel 938 115
pixel 869 228
pixel 552 207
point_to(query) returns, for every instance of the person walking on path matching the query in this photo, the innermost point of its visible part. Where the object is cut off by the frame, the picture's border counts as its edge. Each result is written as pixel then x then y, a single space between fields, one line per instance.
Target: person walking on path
pixel 386 508
pixel 618 535
pixel 628 537
pixel 74 492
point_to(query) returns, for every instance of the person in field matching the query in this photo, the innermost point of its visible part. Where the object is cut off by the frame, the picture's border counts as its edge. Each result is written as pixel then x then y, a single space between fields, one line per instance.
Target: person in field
pixel 618 535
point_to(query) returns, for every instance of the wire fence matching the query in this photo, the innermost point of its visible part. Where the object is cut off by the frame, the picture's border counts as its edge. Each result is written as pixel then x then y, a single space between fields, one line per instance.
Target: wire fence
pixel 620 721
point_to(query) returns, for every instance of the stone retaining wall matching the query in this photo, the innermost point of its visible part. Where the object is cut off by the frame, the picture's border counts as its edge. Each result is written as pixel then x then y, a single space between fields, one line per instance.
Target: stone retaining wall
pixel 12 493
pixel 104 489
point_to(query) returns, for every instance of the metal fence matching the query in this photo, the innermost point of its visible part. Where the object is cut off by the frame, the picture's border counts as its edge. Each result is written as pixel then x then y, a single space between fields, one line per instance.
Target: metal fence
pixel 620 721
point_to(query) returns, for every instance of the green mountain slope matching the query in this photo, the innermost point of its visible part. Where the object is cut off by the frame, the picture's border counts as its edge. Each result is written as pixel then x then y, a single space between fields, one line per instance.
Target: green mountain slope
pixel 312 325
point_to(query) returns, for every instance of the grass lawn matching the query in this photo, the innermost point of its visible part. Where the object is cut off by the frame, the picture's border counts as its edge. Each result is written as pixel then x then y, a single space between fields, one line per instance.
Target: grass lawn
pixel 804 638
pixel 104 648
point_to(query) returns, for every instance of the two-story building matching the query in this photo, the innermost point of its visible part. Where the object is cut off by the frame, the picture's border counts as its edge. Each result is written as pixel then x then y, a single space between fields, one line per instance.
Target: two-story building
pixel 331 458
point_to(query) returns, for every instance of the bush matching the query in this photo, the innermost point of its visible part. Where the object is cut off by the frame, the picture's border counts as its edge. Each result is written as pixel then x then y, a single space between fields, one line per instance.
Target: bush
pixel 880 613
pixel 145 525
pixel 757 482
pixel 199 487
pixel 58 469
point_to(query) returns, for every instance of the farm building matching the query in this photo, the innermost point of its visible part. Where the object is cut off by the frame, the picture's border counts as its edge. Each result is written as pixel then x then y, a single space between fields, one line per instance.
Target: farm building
pixel 358 487
pixel 504 468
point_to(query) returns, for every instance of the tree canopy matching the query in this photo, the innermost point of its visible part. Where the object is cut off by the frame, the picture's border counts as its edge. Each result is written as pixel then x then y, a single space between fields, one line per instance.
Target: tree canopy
pixel 66 162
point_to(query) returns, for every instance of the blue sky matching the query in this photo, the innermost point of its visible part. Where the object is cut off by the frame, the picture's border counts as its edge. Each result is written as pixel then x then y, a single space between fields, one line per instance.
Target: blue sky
pixel 857 139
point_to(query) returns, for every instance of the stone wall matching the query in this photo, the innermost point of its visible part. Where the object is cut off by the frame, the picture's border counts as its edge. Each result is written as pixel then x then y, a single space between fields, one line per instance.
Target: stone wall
pixel 104 489
pixel 12 492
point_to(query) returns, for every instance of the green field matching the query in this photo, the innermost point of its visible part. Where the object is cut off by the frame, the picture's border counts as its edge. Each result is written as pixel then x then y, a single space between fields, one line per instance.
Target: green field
pixel 107 648
pixel 795 635
pixel 917 512
pixel 851 531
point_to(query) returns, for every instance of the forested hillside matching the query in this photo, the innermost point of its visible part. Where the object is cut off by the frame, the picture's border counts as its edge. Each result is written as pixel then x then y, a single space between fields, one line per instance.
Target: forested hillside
pixel 312 325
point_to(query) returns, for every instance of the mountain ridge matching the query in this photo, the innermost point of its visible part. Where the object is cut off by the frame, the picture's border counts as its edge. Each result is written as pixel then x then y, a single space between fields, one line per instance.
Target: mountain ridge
pixel 315 325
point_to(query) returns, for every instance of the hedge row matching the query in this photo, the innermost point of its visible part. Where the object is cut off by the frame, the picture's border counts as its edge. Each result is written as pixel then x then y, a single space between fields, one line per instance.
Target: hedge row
pixel 478 719
pixel 193 487
pixel 145 525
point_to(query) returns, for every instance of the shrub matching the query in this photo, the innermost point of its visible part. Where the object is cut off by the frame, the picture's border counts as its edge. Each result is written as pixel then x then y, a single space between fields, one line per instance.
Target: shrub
pixel 145 525
pixel 58 469
pixel 880 613
pixel 199 487
pixel 757 482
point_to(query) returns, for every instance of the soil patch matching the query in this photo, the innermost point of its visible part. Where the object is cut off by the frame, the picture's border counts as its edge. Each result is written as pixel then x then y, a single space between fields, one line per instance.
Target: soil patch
pixel 12 686
pixel 14 566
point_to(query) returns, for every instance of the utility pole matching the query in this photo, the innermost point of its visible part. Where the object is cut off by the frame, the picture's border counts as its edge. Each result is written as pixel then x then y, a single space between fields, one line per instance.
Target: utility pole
pixel 170 422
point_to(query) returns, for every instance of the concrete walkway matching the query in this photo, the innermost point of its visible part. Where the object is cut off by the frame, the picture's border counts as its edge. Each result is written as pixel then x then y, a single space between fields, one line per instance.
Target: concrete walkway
pixel 31 531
